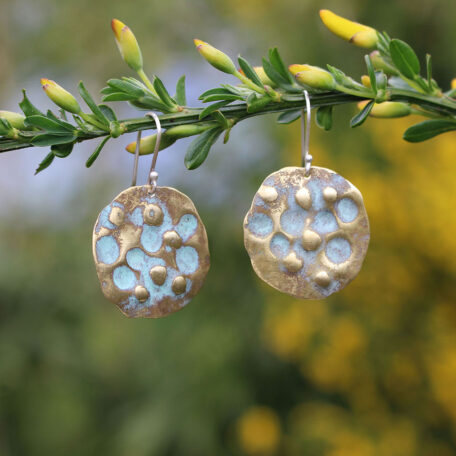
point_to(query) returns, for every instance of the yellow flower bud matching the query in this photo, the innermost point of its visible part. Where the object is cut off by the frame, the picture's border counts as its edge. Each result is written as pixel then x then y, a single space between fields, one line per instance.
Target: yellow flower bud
pixel 60 96
pixel 16 120
pixel 216 58
pixel 313 76
pixel 127 44
pixel 387 109
pixel 365 80
pixel 147 144
pixel 358 34
pixel 453 84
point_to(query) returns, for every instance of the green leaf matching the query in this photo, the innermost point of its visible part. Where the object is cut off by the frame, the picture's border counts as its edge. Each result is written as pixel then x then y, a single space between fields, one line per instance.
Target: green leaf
pixel 428 129
pixel 52 126
pixel 91 104
pixel 45 163
pixel 5 126
pixel 108 112
pixel 277 63
pixel 381 80
pixel 404 58
pixel 221 119
pixel 324 117
pixel 371 73
pixel 163 94
pixel 213 107
pixel 249 72
pixel 429 70
pixel 50 140
pixel 97 151
pixel 126 87
pixel 216 91
pixel 225 97
pixel 288 116
pixel 362 115
pixel 62 150
pixel 28 108
pixel 180 92
pixel 149 103
pixel 119 96
pixel 274 75
pixel 199 148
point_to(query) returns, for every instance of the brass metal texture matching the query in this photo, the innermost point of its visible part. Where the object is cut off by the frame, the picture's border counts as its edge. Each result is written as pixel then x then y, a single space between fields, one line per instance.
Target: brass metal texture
pixel 151 251
pixel 307 236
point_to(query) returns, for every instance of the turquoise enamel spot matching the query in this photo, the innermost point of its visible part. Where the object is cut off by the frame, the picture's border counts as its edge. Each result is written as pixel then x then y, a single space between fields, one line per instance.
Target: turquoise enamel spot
pixel 150 251
pixel 307 235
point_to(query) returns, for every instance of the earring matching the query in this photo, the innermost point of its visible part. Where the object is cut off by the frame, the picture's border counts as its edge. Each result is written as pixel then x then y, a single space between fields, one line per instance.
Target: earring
pixel 150 246
pixel 307 230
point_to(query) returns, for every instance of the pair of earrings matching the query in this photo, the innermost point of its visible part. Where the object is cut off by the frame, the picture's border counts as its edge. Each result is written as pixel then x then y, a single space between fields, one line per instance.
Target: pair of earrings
pixel 306 233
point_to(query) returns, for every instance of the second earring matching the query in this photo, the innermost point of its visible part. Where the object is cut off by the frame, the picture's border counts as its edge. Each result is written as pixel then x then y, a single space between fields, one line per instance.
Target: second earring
pixel 307 231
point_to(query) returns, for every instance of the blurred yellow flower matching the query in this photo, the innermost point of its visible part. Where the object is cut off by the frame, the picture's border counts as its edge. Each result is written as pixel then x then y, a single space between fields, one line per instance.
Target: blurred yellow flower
pixel 258 431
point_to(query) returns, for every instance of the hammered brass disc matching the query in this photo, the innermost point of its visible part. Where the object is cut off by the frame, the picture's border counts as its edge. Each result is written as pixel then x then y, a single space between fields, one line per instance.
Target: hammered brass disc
pixel 151 252
pixel 307 236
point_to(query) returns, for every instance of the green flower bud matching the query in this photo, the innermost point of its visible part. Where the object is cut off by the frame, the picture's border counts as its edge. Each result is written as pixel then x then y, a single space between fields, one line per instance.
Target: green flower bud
pixel 380 64
pixel 387 109
pixel 147 144
pixel 16 120
pixel 313 76
pixel 60 96
pixel 216 58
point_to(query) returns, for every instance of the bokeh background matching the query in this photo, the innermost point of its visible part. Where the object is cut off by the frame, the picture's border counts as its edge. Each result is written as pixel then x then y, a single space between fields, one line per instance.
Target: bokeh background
pixel 242 370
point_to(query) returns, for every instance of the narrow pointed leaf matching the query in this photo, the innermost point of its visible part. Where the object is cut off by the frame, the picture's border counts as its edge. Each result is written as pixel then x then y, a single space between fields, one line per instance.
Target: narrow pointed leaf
pixel 62 150
pixel 28 108
pixel 362 115
pixel 428 129
pixel 225 97
pixel 108 112
pixel 180 92
pixel 288 116
pixel 91 104
pixel 277 63
pixel 165 97
pixel 50 140
pixel 45 163
pixel 199 148
pixel 50 125
pixel 97 151
pixel 126 87
pixel 404 58
pixel 324 117
pixel 119 96
pixel 249 71
pixel 371 72
pixel 211 108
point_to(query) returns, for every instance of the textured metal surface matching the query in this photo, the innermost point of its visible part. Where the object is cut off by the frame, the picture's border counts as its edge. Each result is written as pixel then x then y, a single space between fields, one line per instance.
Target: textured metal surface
pixel 307 236
pixel 151 252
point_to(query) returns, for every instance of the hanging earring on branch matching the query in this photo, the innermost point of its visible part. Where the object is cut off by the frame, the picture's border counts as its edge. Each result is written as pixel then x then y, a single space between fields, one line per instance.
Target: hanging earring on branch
pixel 307 231
pixel 150 246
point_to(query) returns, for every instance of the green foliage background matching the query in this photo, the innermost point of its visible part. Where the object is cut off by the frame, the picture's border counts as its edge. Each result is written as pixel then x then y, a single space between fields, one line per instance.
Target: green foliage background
pixel 243 369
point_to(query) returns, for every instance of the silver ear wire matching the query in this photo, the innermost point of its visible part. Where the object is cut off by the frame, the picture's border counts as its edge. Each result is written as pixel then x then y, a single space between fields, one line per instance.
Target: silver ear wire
pixel 153 175
pixel 305 135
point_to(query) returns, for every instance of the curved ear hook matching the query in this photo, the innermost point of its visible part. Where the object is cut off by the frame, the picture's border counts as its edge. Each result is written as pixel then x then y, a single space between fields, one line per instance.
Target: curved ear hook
pixel 305 134
pixel 153 175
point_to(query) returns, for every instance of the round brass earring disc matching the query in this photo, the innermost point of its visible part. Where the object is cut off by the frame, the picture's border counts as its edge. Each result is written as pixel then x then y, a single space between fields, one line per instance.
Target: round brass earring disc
pixel 151 251
pixel 307 235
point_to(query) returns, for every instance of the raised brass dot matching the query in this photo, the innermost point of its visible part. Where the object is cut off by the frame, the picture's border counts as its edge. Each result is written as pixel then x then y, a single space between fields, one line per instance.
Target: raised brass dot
pixel 322 279
pixel 141 293
pixel 172 239
pixel 158 275
pixel 330 194
pixel 153 215
pixel 292 262
pixel 116 216
pixel 310 240
pixel 179 285
pixel 303 198
pixel 267 193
